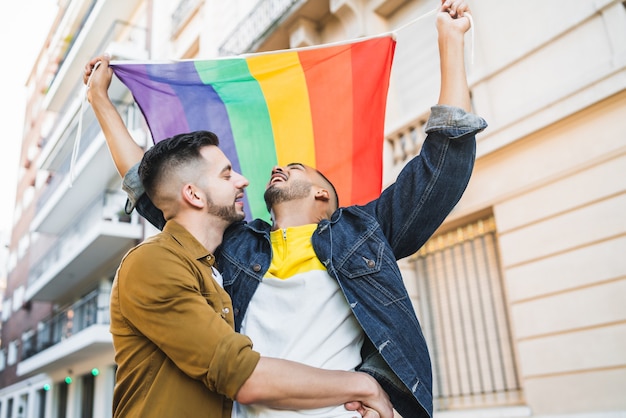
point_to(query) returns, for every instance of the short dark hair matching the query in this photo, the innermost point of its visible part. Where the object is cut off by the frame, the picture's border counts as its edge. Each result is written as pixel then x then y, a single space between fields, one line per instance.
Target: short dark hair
pixel 335 198
pixel 170 154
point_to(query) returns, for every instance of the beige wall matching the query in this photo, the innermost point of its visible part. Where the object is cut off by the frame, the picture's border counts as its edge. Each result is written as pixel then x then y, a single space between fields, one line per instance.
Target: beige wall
pixel 550 79
pixel 559 199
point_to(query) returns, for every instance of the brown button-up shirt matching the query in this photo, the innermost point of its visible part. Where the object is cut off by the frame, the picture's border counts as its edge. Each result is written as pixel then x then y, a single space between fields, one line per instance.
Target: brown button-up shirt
pixel 175 346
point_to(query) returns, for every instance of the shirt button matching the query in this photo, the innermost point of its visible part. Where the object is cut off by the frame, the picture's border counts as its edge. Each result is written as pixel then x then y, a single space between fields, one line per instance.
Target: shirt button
pixel 256 268
pixel 225 310
pixel 371 263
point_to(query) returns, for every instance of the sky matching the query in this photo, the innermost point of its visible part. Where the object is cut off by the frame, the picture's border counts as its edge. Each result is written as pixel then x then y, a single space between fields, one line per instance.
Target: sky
pixel 24 25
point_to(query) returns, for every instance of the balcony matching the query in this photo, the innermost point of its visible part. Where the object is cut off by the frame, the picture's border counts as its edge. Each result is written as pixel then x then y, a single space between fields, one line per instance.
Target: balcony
pixel 76 333
pixel 86 29
pixel 90 247
pixel 62 197
pixel 264 28
pixel 183 13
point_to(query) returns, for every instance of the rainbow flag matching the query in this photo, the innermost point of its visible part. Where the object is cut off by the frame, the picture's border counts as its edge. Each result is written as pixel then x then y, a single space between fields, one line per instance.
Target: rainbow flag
pixel 322 106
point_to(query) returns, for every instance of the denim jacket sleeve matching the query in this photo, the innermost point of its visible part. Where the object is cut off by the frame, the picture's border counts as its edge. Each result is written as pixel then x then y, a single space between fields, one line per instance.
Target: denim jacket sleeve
pixel 137 198
pixel 431 184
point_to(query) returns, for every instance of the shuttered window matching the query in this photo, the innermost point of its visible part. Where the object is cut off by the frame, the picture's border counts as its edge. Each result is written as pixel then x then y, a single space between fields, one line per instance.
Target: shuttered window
pixel 465 319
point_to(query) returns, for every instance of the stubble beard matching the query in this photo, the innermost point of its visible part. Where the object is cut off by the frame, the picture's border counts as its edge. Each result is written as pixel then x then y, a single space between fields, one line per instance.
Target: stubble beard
pixel 298 189
pixel 227 213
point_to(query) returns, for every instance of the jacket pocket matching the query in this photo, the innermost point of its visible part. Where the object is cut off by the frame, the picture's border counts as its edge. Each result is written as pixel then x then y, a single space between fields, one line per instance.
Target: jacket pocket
pixel 369 273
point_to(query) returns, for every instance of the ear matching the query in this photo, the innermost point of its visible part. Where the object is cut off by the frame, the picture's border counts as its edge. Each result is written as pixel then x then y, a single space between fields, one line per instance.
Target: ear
pixel 322 195
pixel 192 196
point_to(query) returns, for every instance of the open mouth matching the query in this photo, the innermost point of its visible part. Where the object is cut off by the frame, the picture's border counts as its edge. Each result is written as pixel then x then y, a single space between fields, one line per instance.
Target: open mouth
pixel 277 178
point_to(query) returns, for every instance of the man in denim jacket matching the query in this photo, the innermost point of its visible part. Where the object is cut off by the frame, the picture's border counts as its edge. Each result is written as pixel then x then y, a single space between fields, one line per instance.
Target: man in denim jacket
pixel 359 245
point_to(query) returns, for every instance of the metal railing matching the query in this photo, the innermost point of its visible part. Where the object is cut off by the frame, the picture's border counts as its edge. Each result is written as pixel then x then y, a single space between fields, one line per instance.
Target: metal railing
pixel 184 9
pixel 119 32
pixel 256 24
pixel 89 132
pixel 65 45
pixel 465 319
pixel 66 323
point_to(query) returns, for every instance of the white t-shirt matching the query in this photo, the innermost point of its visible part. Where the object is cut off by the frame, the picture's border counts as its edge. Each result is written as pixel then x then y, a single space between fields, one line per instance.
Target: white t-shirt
pixel 299 313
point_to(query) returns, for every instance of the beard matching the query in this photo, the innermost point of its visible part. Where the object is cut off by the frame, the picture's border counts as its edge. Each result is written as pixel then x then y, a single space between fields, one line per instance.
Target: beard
pixel 227 213
pixel 296 190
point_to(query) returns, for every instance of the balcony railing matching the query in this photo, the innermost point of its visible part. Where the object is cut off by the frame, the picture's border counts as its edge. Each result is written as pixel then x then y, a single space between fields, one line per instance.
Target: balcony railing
pixel 65 45
pixel 67 323
pixel 183 11
pixel 90 131
pixel 108 206
pixel 403 144
pixel 255 25
pixel 119 32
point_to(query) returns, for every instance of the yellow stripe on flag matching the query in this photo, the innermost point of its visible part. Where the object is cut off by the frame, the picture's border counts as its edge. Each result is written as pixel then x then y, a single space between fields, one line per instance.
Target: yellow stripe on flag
pixel 290 114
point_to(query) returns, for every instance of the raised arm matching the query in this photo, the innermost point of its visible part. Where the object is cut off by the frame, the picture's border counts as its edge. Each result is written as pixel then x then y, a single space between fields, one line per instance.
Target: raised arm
pixel 123 148
pixel 431 183
pixel 452 23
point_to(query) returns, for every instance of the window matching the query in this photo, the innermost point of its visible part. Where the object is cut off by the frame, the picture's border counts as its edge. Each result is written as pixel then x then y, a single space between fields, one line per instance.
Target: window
pixel 41 403
pixel 12 355
pixel 6 309
pixel 22 245
pixel 9 408
pixel 87 395
pixel 465 319
pixel 62 389
pixel 22 407
pixel 18 298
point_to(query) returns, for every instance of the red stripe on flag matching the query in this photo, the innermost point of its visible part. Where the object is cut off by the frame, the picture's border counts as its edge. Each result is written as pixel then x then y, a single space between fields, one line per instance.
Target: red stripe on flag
pixel 328 76
pixel 371 68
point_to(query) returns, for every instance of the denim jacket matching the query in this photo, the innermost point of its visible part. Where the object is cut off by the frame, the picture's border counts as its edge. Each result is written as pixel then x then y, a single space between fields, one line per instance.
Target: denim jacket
pixel 359 246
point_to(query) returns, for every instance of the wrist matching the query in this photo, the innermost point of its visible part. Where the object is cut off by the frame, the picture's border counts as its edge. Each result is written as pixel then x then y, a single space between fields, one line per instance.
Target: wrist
pixel 367 387
pixel 98 98
pixel 451 38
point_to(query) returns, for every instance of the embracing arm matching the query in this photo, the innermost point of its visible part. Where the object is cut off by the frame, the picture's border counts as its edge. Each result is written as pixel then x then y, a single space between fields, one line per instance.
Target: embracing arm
pixel 123 148
pixel 283 384
pixel 157 283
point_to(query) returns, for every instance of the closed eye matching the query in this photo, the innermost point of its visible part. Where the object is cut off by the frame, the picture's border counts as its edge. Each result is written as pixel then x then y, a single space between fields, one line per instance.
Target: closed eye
pixel 297 166
pixel 227 172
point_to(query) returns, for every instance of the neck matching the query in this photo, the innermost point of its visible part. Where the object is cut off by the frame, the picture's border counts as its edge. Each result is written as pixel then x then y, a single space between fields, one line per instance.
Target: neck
pixel 208 230
pixel 295 213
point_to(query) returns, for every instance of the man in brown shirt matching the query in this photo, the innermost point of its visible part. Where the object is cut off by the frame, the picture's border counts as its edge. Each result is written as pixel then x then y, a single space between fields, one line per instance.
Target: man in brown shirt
pixel 172 323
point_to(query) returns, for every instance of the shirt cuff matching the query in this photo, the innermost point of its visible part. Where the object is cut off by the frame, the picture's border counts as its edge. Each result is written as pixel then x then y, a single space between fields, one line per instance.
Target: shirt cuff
pixel 444 117
pixel 133 188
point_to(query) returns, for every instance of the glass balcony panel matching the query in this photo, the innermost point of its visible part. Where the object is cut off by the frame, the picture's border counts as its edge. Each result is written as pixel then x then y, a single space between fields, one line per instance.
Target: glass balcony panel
pixel 95 236
pixel 66 323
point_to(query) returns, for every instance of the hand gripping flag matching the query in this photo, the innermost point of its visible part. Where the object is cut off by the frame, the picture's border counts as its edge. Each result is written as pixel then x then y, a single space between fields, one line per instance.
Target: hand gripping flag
pixel 320 106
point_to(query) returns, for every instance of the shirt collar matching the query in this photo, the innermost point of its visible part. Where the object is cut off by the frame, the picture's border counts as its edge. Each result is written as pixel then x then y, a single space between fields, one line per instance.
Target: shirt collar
pixel 186 240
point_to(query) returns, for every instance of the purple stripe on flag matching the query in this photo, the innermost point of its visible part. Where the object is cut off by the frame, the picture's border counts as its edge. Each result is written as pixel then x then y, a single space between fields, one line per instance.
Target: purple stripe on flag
pixel 153 98
pixel 174 100
pixel 202 106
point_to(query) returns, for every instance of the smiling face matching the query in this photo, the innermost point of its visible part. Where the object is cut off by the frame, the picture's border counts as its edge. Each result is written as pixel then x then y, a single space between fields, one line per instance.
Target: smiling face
pixel 222 186
pixel 296 181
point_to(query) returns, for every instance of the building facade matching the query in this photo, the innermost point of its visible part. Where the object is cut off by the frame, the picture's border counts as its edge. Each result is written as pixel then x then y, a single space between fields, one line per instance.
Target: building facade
pixel 520 292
